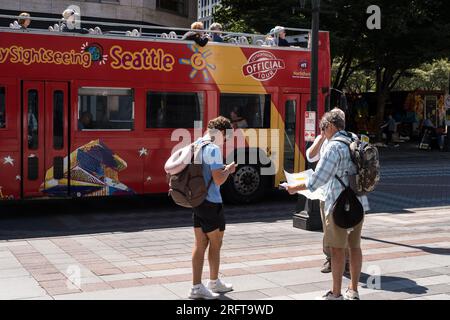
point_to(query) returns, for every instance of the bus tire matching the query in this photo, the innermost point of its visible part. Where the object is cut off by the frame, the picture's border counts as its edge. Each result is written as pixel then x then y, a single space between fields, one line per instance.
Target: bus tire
pixel 246 185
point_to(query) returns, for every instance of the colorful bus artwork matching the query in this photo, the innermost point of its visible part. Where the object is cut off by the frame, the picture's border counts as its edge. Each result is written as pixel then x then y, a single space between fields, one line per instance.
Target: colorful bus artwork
pixel 93 115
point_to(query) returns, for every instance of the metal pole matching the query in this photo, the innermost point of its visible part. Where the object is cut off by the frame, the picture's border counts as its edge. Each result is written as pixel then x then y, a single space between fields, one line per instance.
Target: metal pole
pixel 447 146
pixel 309 218
pixel 315 55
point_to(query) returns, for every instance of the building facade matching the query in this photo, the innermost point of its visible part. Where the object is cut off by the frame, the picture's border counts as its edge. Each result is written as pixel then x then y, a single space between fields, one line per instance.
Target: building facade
pixel 206 9
pixel 174 13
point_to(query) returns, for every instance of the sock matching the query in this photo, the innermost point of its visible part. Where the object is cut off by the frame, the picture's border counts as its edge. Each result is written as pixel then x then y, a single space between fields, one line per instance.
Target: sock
pixel 197 286
pixel 213 281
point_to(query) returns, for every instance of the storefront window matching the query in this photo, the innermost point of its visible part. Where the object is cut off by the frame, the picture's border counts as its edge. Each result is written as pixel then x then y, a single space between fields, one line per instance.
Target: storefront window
pixel 179 7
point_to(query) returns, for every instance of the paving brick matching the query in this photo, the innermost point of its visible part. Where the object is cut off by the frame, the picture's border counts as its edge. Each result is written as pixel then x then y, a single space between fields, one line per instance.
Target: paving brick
pixel 247 295
pixel 61 291
pixel 275 292
pixel 124 283
pixel 49 276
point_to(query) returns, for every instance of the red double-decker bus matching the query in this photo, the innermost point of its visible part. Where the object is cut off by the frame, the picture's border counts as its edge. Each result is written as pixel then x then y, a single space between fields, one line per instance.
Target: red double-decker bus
pixel 93 114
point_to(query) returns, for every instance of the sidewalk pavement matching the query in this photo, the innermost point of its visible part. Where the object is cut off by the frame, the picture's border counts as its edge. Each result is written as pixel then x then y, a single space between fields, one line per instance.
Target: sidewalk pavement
pixel 410 252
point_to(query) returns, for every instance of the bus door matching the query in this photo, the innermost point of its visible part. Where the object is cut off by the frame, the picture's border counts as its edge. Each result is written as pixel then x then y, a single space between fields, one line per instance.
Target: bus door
pixel 45 138
pixel 294 109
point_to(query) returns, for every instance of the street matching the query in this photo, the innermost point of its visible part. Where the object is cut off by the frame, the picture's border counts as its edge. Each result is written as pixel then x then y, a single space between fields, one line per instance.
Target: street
pixel 141 248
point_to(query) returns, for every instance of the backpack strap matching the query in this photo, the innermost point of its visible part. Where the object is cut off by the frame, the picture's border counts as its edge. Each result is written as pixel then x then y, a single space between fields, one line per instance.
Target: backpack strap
pixel 340 181
pixel 347 143
pixel 197 149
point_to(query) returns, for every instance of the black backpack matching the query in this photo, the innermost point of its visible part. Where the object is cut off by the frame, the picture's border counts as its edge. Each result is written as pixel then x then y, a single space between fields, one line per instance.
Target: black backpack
pixel 347 210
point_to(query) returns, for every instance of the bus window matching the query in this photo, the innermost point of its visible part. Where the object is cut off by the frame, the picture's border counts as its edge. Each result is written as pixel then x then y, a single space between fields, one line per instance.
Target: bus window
pixel 58 120
pixel 33 120
pixel 246 110
pixel 289 136
pixel 174 109
pixel 105 109
pixel 2 108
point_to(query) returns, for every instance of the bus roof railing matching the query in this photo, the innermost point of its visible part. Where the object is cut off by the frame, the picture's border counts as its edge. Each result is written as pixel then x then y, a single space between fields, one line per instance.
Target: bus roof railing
pixel 298 40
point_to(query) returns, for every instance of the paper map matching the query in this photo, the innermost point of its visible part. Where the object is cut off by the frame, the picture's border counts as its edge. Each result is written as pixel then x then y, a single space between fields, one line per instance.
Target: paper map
pixel 302 177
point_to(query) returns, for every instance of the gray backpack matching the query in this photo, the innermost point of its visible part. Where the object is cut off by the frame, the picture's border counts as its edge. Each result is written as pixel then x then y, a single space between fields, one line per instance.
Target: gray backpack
pixel 187 187
pixel 365 157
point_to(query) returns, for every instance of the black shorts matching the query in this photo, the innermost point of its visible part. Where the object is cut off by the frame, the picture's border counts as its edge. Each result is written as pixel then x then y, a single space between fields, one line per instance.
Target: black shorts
pixel 209 216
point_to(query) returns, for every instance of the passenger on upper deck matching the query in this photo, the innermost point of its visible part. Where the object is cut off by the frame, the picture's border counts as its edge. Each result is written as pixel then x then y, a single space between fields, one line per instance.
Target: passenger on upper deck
pixel 71 22
pixel 199 37
pixel 24 20
pixel 281 32
pixel 216 37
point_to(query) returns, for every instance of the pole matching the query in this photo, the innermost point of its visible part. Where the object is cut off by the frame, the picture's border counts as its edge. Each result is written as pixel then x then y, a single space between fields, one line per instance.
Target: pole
pixel 309 218
pixel 447 146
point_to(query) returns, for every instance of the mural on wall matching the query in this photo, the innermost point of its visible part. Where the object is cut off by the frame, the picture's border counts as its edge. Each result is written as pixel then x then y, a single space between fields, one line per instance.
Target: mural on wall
pixel 94 171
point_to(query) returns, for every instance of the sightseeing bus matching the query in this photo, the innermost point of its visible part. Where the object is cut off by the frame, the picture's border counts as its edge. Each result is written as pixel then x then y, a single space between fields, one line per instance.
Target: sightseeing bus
pixel 85 115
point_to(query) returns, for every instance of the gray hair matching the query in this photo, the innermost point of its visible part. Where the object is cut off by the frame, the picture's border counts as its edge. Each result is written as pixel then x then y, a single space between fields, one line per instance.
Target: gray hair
pixel 216 26
pixel 340 111
pixel 334 117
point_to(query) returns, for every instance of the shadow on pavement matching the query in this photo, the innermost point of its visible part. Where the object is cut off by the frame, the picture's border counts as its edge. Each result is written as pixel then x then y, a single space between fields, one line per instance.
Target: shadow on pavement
pixel 393 284
pixel 439 251
pixel 51 218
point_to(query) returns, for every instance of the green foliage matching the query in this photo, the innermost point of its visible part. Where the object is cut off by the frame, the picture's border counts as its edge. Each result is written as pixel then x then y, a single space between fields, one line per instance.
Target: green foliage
pixel 413 34
pixel 429 76
pixel 259 15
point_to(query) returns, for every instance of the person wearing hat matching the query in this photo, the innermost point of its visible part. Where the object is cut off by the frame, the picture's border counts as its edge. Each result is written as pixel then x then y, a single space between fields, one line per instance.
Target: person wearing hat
pixel 280 33
pixel 71 23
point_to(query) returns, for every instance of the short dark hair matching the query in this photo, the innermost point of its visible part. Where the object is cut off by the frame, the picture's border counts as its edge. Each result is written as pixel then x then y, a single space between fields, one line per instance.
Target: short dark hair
pixel 220 123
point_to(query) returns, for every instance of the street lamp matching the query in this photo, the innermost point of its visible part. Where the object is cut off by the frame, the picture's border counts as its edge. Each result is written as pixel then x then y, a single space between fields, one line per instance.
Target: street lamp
pixel 307 214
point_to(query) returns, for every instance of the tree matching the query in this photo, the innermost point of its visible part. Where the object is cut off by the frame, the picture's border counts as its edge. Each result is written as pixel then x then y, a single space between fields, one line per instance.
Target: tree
pixel 258 15
pixel 429 76
pixel 412 33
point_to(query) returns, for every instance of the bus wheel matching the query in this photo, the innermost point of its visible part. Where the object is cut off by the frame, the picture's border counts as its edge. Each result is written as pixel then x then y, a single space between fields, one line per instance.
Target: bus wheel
pixel 245 185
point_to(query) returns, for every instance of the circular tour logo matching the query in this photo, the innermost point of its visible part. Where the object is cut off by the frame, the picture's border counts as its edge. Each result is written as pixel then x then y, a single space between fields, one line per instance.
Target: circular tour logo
pixel 262 66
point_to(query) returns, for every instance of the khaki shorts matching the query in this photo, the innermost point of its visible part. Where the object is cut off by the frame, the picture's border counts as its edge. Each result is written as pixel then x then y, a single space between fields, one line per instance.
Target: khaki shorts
pixel 336 237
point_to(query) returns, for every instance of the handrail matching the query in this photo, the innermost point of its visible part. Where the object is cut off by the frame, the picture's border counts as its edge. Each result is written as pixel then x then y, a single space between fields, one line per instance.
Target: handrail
pixel 253 39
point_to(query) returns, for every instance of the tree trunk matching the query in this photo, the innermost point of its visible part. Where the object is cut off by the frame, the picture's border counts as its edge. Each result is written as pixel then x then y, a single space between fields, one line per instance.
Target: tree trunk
pixel 381 104
pixel 384 78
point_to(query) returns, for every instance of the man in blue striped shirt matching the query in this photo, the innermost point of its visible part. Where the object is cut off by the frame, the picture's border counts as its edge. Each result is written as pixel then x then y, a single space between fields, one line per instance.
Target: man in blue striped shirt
pixel 336 161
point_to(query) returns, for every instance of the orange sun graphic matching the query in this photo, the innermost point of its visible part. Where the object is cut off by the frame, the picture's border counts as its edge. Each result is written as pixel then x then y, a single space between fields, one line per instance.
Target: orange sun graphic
pixel 198 62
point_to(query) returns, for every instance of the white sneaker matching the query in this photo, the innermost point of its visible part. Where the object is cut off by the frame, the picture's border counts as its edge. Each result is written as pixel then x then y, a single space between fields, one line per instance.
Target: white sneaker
pixel 219 286
pixel 351 294
pixel 201 292
pixel 330 296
